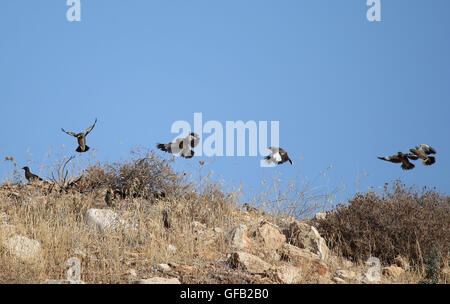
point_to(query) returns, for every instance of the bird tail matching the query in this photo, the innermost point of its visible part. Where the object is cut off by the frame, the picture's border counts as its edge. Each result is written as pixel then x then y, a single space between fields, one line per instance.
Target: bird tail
pixel 163 147
pixel 290 161
pixel 429 161
pixel 408 166
pixel 382 158
pixel 86 148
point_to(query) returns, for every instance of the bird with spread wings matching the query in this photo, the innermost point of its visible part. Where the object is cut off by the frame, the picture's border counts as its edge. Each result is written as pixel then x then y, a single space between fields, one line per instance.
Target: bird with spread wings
pixel 182 145
pixel 423 152
pixel 401 158
pixel 81 137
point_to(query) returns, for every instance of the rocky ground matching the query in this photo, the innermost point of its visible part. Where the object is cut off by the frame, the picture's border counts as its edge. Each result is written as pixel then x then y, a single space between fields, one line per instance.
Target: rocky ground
pixel 246 246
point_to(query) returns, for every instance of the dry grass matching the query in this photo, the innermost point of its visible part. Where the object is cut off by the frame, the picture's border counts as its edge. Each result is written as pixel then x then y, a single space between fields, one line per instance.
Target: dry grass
pixel 56 219
pixel 173 208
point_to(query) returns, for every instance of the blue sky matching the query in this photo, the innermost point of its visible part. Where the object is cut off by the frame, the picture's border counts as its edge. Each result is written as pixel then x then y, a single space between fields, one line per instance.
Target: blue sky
pixel 344 90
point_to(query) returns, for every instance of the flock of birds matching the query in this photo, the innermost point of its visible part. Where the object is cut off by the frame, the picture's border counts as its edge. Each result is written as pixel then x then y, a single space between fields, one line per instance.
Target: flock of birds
pixel 423 151
pixel 183 147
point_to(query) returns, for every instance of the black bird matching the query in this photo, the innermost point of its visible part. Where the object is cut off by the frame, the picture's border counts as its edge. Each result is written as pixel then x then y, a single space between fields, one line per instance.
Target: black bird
pixel 278 156
pixel 182 145
pixel 423 152
pixel 401 158
pixel 81 137
pixel 30 176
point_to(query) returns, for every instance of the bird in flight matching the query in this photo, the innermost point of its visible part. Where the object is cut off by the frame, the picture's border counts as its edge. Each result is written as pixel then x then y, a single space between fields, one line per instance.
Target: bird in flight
pixel 30 176
pixel 182 145
pixel 278 156
pixel 81 137
pixel 423 152
pixel 401 158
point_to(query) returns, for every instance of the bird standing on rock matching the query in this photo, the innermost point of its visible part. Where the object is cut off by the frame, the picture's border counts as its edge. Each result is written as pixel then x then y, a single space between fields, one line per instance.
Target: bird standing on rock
pixel 81 137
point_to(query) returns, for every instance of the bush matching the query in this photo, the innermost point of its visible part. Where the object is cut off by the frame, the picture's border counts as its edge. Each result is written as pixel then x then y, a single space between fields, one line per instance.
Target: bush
pixel 402 221
pixel 147 176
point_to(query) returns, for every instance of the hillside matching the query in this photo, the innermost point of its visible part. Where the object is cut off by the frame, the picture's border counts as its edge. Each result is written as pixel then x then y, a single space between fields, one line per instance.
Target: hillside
pixel 141 222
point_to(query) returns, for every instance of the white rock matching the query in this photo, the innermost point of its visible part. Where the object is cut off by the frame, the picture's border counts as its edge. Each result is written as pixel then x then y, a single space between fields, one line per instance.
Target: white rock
pixel 339 280
pixel 104 219
pixel 23 248
pixel 237 238
pixel 163 267
pixel 157 280
pixel 288 274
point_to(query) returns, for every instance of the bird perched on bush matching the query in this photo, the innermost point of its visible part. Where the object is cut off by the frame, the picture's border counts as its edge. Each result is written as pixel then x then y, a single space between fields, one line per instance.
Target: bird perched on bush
pixel 401 158
pixel 182 145
pixel 423 152
pixel 81 137
pixel 278 156
pixel 30 176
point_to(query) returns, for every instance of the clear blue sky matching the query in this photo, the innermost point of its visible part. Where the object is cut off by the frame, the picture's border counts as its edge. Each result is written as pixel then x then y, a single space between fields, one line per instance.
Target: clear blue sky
pixel 344 90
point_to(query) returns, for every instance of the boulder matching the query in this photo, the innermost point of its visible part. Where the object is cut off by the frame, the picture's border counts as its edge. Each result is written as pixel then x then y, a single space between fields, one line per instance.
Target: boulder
pixel 271 236
pixel 297 256
pixel 288 274
pixel 248 262
pixel 237 238
pixel 105 219
pixel 25 249
pixel 163 267
pixel 307 237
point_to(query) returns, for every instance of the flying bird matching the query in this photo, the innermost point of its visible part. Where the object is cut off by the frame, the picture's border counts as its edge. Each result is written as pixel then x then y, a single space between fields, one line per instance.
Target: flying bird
pixel 30 176
pixel 278 156
pixel 423 152
pixel 401 158
pixel 182 145
pixel 81 137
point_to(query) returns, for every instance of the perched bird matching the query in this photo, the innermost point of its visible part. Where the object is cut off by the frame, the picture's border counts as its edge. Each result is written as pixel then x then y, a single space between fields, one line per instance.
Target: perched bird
pixel 401 158
pixel 81 137
pixel 30 176
pixel 423 152
pixel 182 145
pixel 278 156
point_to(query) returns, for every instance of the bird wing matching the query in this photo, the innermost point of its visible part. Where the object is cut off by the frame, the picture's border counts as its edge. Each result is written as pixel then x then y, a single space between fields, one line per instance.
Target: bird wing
pixel 194 140
pixel 427 149
pixel 70 133
pixel 90 128
pixel 392 159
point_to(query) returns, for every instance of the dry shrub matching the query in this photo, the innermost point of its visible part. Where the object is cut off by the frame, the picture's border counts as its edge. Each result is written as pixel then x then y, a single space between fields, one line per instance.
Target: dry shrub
pixel 145 175
pixel 403 221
